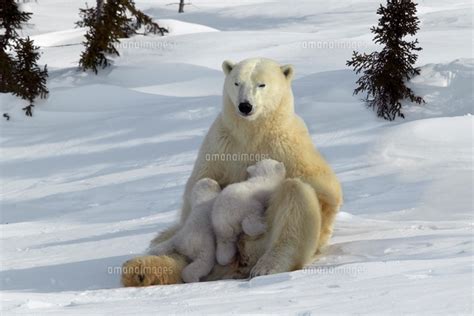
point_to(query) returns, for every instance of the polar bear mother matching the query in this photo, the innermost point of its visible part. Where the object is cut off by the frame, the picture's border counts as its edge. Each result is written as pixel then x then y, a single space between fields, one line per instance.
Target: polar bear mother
pixel 258 120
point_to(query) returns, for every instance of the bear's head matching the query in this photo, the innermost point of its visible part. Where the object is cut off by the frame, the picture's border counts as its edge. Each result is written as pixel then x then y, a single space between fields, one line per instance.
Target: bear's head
pixel 255 87
pixel 267 168
pixel 204 190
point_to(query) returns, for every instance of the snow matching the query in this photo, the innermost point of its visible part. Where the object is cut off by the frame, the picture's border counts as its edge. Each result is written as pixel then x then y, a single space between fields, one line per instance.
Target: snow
pixel 176 27
pixel 100 168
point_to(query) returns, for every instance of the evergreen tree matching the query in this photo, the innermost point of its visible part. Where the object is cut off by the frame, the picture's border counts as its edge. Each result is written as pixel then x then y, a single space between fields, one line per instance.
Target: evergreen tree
pixel 11 18
pixel 30 79
pixel 19 71
pixel 386 72
pixel 108 22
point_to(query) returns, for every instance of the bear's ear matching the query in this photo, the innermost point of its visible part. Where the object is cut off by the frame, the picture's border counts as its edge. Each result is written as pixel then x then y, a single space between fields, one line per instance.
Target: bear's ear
pixel 227 66
pixel 281 168
pixel 288 71
pixel 251 170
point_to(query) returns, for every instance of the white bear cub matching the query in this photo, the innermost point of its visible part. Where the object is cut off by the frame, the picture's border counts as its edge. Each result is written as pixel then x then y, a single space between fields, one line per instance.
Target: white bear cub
pixel 241 206
pixel 195 239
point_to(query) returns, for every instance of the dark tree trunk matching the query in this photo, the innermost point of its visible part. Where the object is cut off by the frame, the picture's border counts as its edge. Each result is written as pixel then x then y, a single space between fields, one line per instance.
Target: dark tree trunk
pixel 181 6
pixel 100 9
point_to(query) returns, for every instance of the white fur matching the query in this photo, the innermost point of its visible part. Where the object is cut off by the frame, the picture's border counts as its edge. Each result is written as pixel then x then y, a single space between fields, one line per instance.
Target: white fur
pixel 195 239
pixel 240 207
pixel 301 212
pixel 257 81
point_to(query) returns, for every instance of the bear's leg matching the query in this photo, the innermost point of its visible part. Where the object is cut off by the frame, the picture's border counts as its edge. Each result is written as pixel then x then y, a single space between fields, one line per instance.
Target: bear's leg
pixel 163 248
pixel 329 214
pixel 254 225
pixel 330 198
pixel 155 270
pixel 294 216
pixel 200 267
pixel 225 251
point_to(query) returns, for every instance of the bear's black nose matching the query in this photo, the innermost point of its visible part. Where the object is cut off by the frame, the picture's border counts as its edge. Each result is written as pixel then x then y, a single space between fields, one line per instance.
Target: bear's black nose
pixel 245 108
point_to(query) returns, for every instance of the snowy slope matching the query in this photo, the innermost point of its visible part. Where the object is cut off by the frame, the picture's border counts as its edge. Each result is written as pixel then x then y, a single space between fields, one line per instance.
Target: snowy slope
pixel 101 167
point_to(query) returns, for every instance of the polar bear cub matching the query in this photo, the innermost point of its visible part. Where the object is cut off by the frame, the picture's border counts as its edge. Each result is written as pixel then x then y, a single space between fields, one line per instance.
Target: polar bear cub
pixel 195 239
pixel 240 207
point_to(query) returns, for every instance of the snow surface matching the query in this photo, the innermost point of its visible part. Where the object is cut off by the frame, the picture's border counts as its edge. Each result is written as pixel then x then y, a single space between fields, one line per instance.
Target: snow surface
pixel 100 168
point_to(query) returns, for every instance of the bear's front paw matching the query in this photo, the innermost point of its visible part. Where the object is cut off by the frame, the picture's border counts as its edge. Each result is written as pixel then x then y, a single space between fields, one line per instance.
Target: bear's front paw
pixel 225 252
pixel 148 270
pixel 189 276
pixel 253 227
pixel 264 266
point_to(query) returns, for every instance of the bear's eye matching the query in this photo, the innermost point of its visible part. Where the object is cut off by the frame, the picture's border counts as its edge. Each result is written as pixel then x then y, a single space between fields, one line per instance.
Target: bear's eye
pixel 261 85
pixel 236 84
